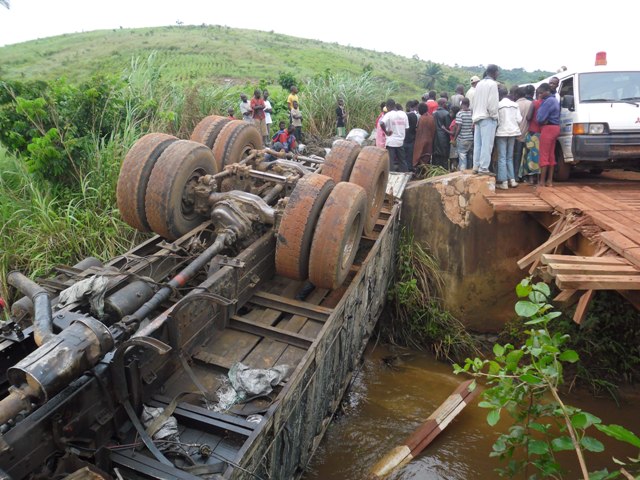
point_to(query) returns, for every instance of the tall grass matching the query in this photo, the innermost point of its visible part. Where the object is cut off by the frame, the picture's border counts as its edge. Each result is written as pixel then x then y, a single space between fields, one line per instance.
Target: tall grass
pixel 361 94
pixel 39 229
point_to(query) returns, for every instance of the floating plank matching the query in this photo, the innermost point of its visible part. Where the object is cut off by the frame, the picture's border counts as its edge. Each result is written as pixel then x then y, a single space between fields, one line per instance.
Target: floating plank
pixel 598 282
pixel 548 258
pixel 583 305
pixel 589 269
pixel 425 434
pixel 550 244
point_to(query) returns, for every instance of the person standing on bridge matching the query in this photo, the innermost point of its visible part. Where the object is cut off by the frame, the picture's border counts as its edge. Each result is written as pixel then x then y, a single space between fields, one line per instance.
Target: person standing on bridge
pixel 549 119
pixel 395 124
pixel 484 108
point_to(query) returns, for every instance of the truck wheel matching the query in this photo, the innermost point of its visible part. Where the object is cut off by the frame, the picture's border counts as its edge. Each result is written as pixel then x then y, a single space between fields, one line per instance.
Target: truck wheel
pixel 337 235
pixel 134 177
pixel 169 202
pixel 295 233
pixel 562 169
pixel 339 161
pixel 235 141
pixel 208 129
pixel 371 172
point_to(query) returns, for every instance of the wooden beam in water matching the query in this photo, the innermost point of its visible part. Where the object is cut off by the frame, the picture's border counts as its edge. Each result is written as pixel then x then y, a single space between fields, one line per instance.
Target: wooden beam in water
pixel 425 434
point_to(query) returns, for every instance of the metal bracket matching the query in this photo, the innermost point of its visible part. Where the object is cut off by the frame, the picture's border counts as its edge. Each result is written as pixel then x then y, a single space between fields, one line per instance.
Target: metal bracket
pixel 230 262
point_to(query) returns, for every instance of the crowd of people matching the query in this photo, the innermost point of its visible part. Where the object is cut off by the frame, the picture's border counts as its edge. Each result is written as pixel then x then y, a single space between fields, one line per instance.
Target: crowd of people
pixel 515 128
pixel 258 111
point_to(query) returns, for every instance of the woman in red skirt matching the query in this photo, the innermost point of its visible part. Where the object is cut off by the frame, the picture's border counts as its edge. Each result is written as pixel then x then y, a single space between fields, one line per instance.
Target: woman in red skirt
pixel 549 119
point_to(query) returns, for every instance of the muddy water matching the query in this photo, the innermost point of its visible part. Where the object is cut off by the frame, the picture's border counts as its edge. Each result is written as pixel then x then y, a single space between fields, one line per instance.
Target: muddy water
pixel 387 402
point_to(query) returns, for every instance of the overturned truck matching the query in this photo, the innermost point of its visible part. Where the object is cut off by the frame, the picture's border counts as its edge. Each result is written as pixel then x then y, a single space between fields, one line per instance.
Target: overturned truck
pixel 221 346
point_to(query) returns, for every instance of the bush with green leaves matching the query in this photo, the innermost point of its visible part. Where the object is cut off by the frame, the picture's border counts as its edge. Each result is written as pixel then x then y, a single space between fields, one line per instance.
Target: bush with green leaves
pixel 524 382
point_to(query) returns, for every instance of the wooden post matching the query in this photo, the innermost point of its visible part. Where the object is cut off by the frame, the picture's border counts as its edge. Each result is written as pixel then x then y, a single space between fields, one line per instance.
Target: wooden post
pixel 425 434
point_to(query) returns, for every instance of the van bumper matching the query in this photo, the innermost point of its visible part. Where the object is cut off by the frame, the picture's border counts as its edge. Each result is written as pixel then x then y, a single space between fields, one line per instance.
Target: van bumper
pixel 603 148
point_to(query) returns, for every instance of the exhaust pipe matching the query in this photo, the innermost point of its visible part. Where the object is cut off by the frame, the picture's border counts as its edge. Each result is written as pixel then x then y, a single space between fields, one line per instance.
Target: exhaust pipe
pixel 42 316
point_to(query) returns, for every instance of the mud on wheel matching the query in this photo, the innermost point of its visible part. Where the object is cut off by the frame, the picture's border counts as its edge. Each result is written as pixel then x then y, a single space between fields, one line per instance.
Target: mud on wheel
pixel 236 139
pixel 337 235
pixel 371 172
pixel 208 129
pixel 295 233
pixel 169 202
pixel 339 161
pixel 134 177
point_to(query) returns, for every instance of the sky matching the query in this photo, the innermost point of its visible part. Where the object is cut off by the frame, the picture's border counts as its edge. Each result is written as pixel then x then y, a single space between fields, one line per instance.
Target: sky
pixel 479 32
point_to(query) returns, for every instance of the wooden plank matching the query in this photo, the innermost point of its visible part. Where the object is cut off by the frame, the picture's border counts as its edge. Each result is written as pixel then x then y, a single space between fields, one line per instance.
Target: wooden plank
pixel 604 198
pixel 561 201
pixel 548 258
pixel 516 207
pixel 598 282
pixel 550 244
pixel 230 344
pixel 605 221
pixel 583 305
pixel 292 338
pixel 617 241
pixel 566 298
pixel 633 255
pixel 631 222
pixel 582 269
pixel 290 305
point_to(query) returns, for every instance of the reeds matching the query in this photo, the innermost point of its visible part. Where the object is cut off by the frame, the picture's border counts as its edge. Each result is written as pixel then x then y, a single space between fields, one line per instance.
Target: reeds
pixel 418 319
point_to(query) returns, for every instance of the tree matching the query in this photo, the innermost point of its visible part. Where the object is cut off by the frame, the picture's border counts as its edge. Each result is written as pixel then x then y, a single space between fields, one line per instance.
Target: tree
pixel 431 74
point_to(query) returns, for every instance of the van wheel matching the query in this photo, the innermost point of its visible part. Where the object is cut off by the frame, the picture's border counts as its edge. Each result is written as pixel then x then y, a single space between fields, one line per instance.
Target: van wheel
pixel 562 170
pixel 339 161
pixel 134 177
pixel 337 236
pixel 208 129
pixel 298 224
pixel 170 198
pixel 235 141
pixel 371 172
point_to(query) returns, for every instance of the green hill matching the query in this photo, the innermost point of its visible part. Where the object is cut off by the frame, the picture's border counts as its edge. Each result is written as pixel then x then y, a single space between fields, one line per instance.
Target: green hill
pixel 191 54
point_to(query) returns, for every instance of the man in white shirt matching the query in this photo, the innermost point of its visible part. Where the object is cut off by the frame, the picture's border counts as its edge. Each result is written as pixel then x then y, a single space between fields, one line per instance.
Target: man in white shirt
pixel 245 108
pixel 268 109
pixel 509 118
pixel 471 92
pixel 394 124
pixel 485 119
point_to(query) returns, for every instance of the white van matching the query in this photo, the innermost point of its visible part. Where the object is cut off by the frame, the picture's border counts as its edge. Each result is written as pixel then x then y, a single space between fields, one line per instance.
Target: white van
pixel 599 118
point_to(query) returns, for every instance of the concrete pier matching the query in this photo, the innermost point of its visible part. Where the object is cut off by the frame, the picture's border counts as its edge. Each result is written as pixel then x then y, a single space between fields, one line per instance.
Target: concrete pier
pixel 476 249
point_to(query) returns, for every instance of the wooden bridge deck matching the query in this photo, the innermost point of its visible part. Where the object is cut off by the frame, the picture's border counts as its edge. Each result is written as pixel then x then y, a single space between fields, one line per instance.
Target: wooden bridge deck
pixel 605 213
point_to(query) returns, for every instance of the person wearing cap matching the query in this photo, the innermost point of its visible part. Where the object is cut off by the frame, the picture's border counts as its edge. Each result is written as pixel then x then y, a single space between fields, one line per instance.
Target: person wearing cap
pixel 472 90
pixel 485 119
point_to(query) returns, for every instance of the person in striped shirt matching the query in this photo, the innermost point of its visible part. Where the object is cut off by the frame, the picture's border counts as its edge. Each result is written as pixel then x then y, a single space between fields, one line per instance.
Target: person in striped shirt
pixel 463 134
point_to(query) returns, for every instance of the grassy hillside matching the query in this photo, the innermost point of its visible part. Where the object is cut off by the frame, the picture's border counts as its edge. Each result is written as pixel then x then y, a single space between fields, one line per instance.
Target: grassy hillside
pixel 221 55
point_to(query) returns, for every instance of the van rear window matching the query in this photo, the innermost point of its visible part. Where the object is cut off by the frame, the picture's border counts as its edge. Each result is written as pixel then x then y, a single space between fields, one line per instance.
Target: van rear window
pixel 609 87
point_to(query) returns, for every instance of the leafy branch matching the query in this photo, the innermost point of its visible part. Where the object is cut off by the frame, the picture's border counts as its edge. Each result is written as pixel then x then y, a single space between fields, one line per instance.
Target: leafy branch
pixel 524 382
